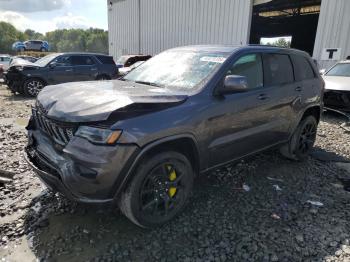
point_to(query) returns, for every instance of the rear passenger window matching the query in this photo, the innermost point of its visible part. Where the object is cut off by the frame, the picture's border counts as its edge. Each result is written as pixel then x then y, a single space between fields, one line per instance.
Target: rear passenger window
pixel 277 69
pixel 251 67
pixel 82 60
pixel 302 68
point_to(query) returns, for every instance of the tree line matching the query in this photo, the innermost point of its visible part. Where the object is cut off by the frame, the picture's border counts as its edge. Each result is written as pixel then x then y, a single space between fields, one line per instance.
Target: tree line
pixel 62 40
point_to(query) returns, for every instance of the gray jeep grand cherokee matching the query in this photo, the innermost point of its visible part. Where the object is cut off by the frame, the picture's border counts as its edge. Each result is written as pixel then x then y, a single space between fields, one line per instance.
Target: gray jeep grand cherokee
pixel 141 141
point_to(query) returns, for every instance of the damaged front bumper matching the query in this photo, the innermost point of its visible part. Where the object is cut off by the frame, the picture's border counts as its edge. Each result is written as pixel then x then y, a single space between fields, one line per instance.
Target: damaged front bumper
pixel 14 80
pixel 81 171
pixel 337 99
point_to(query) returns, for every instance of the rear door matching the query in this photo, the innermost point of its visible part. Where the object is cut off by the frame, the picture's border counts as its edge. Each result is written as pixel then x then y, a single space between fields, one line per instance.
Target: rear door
pixel 85 68
pixel 62 71
pixel 258 118
pixel 307 82
pixel 280 87
pixel 37 45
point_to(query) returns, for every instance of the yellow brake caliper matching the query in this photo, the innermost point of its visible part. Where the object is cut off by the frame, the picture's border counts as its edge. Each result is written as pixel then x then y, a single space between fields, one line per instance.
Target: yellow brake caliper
pixel 172 177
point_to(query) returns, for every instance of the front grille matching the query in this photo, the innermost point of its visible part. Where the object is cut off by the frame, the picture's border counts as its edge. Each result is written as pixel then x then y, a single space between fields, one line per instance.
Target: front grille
pixel 59 132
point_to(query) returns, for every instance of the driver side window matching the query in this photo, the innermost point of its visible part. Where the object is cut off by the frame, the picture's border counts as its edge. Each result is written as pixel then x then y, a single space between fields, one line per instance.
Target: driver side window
pixel 62 61
pixel 251 67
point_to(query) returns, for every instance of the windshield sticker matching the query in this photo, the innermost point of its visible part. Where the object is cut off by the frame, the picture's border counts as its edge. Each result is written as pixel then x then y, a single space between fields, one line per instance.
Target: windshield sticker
pixel 213 59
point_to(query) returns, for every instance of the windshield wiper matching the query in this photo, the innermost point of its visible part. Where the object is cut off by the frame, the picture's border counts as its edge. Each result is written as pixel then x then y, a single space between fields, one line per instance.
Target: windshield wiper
pixel 147 83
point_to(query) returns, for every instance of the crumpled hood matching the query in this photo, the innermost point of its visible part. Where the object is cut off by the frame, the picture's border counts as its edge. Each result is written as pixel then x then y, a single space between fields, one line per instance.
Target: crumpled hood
pixel 96 100
pixel 339 83
pixel 23 63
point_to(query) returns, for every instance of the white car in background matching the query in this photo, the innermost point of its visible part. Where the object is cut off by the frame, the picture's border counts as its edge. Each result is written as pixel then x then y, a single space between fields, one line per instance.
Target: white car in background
pixel 5 61
pixel 337 88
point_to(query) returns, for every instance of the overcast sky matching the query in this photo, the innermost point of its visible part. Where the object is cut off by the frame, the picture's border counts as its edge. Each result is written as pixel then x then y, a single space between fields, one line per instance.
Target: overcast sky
pixel 48 15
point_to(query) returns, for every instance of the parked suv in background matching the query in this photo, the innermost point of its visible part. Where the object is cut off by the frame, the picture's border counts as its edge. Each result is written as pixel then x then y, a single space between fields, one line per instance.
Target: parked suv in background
pixel 31 45
pixel 141 141
pixel 128 60
pixel 29 78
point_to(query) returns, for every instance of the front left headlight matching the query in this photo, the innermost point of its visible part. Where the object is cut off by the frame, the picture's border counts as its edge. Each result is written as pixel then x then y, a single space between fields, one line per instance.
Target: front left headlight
pixel 98 135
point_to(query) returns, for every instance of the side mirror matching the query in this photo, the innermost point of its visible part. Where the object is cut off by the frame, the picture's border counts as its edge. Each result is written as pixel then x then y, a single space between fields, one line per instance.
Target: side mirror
pixel 322 71
pixel 53 65
pixel 233 84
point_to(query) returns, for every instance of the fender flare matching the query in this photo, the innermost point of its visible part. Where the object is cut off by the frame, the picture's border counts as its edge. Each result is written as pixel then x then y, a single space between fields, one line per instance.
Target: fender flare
pixel 302 113
pixel 129 169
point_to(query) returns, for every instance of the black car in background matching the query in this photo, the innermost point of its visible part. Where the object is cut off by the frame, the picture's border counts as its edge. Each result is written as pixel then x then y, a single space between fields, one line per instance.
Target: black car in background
pixel 29 78
pixel 129 60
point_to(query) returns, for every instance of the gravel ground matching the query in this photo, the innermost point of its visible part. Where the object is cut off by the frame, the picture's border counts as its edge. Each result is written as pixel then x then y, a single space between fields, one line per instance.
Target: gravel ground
pixel 256 210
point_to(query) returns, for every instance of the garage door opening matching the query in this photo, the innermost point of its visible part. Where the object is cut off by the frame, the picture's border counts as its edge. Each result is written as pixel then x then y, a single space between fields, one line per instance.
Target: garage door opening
pixel 275 22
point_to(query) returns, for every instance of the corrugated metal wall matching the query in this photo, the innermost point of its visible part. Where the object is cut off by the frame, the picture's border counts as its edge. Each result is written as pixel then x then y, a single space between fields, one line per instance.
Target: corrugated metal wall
pixel 123 26
pixel 333 29
pixel 169 23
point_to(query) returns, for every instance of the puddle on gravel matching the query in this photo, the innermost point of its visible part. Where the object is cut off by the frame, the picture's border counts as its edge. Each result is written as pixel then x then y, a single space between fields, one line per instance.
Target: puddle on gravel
pixel 18 250
pixel 17 123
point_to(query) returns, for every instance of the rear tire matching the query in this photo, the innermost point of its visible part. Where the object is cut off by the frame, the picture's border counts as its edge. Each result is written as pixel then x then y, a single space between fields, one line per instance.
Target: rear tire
pixel 159 189
pixel 302 140
pixel 33 86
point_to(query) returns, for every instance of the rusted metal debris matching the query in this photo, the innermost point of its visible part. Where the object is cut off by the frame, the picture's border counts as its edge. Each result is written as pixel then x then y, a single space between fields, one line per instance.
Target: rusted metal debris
pixel 345 125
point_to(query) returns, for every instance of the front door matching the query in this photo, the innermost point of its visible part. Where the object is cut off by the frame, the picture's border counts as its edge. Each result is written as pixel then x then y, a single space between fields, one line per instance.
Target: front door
pixel 61 71
pixel 249 121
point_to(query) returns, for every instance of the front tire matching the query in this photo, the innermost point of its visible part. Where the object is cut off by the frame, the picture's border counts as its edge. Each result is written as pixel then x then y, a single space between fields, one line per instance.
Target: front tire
pixel 302 141
pixel 33 86
pixel 159 189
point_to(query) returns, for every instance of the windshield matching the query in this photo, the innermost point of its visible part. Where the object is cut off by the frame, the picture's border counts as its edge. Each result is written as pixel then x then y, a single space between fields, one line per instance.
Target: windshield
pixel 340 70
pixel 122 59
pixel 177 68
pixel 46 59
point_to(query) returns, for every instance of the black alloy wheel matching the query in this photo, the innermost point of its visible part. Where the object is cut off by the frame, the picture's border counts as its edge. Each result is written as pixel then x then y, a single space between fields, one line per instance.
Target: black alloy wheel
pixel 159 190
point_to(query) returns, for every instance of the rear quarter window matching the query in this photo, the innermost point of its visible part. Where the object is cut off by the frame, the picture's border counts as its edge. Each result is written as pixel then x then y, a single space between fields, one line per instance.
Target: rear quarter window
pixel 302 68
pixel 108 60
pixel 278 69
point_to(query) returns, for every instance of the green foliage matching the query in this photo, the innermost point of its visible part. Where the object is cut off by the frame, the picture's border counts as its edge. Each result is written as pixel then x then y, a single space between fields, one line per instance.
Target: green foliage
pixel 64 40
pixel 32 35
pixel 9 35
pixel 282 42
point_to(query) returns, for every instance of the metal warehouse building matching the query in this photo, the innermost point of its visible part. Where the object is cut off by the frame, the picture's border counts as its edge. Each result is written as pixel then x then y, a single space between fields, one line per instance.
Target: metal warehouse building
pixel 320 27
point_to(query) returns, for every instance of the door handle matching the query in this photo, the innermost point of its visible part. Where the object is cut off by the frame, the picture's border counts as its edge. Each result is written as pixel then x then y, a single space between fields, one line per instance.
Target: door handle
pixel 93 69
pixel 69 70
pixel 299 89
pixel 263 97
